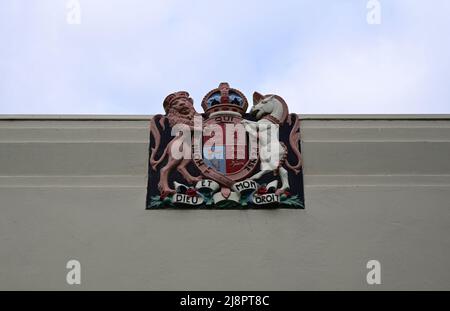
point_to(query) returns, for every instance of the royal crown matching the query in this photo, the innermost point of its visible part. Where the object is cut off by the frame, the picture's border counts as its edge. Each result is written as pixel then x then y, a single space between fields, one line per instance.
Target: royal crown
pixel 225 100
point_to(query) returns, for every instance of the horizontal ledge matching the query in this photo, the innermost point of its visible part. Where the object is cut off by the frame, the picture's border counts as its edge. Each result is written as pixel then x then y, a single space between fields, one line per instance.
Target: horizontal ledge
pixel 85 181
pixel 86 117
pixel 368 117
pixel 69 187
pixel 373 140
pixel 70 142
pixel 75 127
pixel 376 180
pixel 379 187
pixel 73 117
pixel 123 141
pixel 140 181
pixel 386 126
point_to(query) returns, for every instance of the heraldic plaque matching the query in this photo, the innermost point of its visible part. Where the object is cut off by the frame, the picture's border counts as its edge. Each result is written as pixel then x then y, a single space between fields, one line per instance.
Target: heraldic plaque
pixel 225 158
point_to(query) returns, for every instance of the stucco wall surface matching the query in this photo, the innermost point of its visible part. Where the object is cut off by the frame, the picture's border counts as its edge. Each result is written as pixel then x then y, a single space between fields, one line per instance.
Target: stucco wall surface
pixel 74 187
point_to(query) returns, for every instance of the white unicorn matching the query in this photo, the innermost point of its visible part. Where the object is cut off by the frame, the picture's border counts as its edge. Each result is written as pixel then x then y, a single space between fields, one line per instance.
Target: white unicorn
pixel 271 111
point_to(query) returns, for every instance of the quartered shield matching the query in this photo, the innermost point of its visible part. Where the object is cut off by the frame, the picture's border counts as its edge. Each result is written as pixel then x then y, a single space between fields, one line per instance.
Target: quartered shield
pixel 231 157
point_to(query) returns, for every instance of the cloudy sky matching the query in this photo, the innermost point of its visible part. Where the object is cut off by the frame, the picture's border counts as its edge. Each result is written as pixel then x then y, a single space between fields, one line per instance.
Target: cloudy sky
pixel 322 56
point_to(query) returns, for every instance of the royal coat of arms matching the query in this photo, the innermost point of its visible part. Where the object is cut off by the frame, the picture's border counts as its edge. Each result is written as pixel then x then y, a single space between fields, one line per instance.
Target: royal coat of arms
pixel 225 157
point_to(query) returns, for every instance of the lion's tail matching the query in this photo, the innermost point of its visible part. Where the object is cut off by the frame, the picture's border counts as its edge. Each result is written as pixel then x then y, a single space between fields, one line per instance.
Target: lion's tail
pixel 294 139
pixel 154 131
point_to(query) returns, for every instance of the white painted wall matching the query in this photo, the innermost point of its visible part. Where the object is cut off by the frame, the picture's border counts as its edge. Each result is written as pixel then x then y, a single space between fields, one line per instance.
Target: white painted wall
pixel 73 187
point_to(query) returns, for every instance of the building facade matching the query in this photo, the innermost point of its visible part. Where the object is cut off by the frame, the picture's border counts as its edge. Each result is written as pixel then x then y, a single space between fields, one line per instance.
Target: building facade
pixel 375 187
